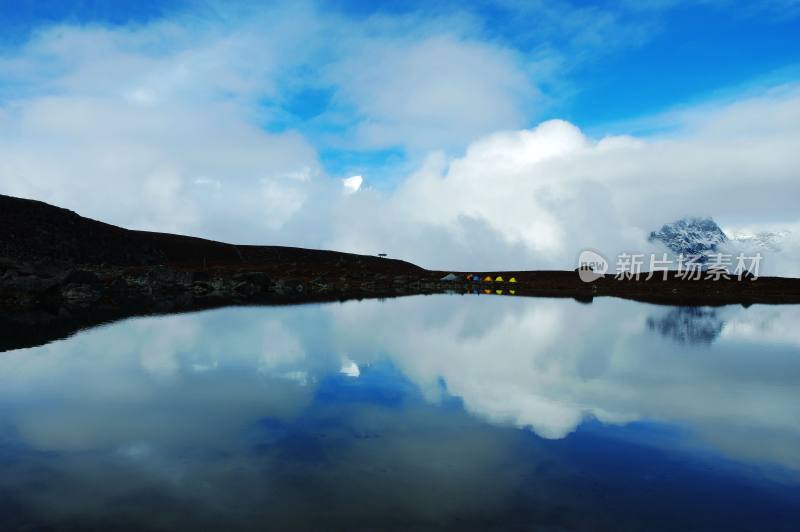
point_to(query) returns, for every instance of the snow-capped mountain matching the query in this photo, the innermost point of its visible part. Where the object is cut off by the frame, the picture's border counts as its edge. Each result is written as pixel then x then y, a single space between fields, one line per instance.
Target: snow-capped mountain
pixel 763 240
pixel 691 237
pixel 702 238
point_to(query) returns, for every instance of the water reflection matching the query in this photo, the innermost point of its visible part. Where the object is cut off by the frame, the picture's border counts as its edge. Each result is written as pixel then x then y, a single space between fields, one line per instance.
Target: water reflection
pixel 688 325
pixel 407 414
pixel 549 364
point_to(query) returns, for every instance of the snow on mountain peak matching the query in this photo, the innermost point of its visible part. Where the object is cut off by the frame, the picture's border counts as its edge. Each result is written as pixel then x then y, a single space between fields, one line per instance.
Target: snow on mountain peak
pixel 761 240
pixel 691 237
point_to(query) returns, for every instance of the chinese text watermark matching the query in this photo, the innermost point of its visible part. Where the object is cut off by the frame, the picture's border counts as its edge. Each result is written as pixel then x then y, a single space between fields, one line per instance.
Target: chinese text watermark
pixel 715 266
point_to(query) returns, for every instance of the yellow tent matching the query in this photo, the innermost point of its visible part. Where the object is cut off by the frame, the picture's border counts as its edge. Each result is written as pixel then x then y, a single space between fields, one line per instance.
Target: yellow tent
pixel 512 292
pixel 487 279
pixel 499 292
pixel 512 280
pixel 487 291
pixel 498 279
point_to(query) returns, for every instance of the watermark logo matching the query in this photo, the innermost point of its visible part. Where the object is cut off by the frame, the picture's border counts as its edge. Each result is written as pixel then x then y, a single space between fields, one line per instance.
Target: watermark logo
pixel 591 265
pixel 713 267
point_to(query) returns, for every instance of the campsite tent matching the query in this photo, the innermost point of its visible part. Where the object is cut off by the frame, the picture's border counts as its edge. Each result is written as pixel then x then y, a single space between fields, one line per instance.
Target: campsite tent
pixel 512 280
pixel 498 279
pixel 487 279
pixel 449 277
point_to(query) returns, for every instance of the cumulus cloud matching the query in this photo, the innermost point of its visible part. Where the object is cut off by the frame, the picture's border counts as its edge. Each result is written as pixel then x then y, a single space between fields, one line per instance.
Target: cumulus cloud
pixel 439 91
pixel 536 197
pixel 164 126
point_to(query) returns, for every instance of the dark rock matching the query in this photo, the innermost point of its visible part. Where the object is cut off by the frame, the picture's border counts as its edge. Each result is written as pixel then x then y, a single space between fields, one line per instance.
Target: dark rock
pixel 80 295
pixel 260 281
pixel 81 277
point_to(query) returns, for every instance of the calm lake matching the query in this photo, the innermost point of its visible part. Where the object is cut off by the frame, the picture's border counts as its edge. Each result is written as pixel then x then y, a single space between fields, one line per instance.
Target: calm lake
pixel 419 413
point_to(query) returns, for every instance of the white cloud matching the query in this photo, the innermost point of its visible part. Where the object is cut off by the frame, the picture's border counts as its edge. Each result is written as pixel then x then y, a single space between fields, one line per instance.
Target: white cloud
pixel 132 125
pixel 352 184
pixel 534 198
pixel 440 91
pixel 138 167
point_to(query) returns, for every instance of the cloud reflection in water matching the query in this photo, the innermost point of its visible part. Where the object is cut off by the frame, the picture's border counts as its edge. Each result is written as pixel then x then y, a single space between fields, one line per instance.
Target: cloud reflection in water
pixel 236 406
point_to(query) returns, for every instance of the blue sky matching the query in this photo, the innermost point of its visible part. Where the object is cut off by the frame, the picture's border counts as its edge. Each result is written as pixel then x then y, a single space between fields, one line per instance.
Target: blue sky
pixel 239 120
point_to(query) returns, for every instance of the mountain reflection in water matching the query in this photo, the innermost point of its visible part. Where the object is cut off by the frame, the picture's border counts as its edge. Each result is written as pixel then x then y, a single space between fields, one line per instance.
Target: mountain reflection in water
pixel 440 412
pixel 688 325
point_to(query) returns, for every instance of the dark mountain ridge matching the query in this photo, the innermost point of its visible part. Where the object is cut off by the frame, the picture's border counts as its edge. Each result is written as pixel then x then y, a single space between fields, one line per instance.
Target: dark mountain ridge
pixel 34 230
